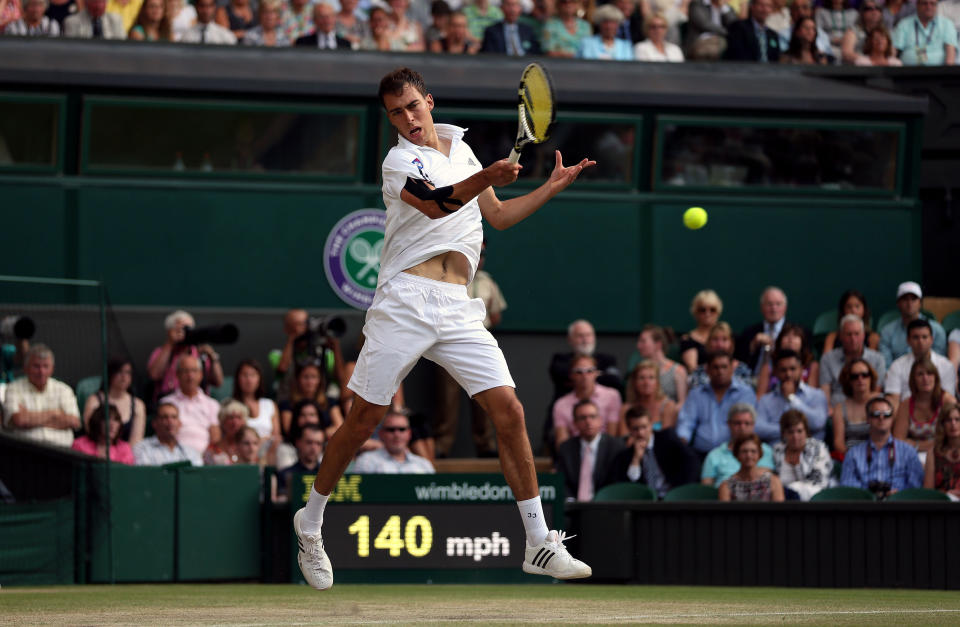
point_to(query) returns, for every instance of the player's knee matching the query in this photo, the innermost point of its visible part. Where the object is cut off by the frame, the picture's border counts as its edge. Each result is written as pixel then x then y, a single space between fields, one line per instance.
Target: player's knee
pixel 510 416
pixel 364 420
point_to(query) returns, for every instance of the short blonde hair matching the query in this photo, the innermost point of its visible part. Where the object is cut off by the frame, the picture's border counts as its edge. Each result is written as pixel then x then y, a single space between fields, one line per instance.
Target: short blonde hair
pixel 607 13
pixel 706 297
pixel 233 406
pixel 646 31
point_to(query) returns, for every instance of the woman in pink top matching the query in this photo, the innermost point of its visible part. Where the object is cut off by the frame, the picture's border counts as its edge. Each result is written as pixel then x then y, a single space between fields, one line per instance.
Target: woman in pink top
pixel 96 443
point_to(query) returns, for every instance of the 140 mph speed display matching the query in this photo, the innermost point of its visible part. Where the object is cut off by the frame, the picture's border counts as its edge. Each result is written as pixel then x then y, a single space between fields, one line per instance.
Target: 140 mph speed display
pixel 424 536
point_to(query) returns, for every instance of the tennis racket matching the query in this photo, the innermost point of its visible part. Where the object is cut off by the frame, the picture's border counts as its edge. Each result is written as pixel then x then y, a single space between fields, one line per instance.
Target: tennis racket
pixel 537 109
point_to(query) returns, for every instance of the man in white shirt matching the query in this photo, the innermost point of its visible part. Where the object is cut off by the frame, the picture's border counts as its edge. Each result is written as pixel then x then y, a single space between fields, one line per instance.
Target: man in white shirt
pixel 163 447
pixel 206 31
pixel 93 22
pixel 436 193
pixel 39 407
pixel 395 458
pixel 896 387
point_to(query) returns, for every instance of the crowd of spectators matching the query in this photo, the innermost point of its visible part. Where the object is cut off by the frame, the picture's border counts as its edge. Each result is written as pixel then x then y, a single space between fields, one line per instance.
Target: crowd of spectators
pixel 774 423
pixel 853 32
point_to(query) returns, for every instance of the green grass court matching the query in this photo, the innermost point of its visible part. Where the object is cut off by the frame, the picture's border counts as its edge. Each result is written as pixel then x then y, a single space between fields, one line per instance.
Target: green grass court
pixel 257 604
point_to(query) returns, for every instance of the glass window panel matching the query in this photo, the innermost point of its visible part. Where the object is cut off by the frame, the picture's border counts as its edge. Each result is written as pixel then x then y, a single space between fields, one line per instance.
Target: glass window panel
pixel 492 140
pixel 28 133
pixel 164 137
pixel 798 157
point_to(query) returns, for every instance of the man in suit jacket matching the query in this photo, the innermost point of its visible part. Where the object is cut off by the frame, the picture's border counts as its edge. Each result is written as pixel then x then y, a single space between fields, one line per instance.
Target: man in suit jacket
pixel 325 37
pixel 661 461
pixel 94 23
pixel 510 36
pixel 592 447
pixel 762 336
pixel 744 36
pixel 631 28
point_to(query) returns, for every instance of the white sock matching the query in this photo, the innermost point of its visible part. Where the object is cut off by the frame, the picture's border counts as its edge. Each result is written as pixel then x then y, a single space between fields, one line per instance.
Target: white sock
pixel 313 515
pixel 531 511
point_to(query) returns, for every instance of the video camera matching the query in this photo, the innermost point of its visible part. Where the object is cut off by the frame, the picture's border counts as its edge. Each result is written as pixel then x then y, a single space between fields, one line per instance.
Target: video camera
pixel 14 328
pixel 880 489
pixel 308 349
pixel 211 334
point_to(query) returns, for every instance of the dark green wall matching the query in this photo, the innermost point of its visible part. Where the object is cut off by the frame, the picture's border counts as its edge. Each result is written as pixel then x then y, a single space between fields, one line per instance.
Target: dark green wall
pixel 618 259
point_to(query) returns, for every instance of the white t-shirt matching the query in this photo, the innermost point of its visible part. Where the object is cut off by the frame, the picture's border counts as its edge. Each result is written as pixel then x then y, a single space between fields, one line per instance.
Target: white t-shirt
pixel 263 423
pixel 898 375
pixel 646 51
pixel 411 237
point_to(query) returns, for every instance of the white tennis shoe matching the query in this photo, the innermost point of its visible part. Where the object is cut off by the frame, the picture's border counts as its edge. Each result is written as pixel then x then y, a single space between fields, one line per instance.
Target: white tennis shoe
pixel 551 558
pixel 313 560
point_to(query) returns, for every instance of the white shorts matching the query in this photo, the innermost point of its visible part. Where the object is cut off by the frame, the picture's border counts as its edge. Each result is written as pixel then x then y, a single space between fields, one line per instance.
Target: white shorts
pixel 412 317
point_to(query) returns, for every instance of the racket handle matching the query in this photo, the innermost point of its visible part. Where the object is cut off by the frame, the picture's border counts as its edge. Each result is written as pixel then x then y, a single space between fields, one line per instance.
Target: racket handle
pixel 514 156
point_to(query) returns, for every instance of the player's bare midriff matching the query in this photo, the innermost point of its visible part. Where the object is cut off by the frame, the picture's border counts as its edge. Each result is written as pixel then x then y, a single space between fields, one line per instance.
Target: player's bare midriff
pixel 449 267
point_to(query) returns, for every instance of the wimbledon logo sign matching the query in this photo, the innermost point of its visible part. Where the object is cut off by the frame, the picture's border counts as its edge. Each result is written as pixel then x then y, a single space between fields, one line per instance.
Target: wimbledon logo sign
pixel 351 256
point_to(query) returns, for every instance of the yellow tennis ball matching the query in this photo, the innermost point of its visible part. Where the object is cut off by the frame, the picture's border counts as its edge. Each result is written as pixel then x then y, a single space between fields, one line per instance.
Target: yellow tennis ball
pixel 694 218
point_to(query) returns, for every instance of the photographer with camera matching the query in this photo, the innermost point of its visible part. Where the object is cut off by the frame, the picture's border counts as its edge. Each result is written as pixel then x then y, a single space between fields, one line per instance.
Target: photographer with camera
pixel 162 365
pixel 882 464
pixel 310 341
pixel 294 325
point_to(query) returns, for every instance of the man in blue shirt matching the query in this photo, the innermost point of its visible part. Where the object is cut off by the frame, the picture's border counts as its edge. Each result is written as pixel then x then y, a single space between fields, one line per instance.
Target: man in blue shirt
pixel 882 464
pixel 721 463
pixel 791 393
pixel 925 38
pixel 703 419
pixel 893 336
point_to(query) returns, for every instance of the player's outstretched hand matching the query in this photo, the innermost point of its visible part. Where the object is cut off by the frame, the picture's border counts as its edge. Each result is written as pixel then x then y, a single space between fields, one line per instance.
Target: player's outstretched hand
pixel 564 175
pixel 503 172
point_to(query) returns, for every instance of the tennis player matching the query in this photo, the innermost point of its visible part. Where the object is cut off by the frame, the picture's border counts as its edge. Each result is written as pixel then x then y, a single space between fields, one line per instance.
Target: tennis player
pixel 436 192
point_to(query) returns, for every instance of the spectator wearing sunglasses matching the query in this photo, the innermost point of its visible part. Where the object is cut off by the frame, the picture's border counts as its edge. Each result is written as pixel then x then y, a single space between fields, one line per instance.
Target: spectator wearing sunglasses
pixel 583 376
pixel 395 458
pixel 854 39
pixel 705 308
pixel 882 464
pixel 858 380
pixel 852 346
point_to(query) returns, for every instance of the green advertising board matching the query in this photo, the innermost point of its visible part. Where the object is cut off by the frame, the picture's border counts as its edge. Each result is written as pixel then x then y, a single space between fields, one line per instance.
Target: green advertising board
pixel 447 528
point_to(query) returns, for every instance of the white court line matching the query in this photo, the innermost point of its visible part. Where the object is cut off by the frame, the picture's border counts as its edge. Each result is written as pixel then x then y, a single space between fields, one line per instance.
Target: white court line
pixel 640 617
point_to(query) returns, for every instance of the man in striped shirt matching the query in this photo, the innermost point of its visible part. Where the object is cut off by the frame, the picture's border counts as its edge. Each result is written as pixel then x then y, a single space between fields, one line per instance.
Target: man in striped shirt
pixel 34 23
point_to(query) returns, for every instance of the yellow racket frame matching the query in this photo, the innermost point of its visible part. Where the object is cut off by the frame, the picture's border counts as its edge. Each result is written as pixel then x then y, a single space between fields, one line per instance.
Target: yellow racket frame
pixel 536 110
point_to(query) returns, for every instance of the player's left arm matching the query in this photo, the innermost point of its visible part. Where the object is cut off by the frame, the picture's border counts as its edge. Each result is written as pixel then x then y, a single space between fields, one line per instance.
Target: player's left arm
pixel 502 214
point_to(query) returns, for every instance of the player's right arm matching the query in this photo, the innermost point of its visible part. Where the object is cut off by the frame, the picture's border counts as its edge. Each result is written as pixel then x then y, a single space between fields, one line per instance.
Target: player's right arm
pixel 439 202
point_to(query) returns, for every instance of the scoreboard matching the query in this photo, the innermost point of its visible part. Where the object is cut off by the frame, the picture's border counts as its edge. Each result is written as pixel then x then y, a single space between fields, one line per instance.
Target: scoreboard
pixel 440 528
